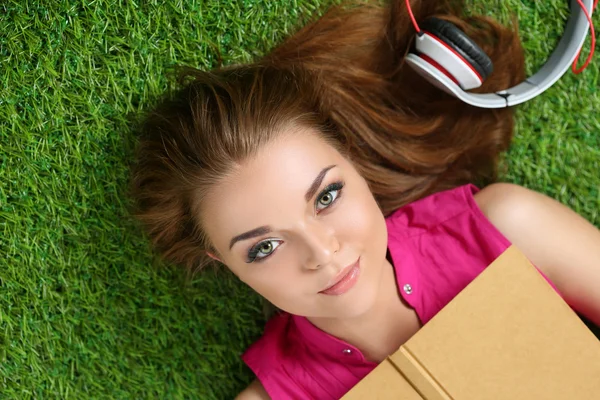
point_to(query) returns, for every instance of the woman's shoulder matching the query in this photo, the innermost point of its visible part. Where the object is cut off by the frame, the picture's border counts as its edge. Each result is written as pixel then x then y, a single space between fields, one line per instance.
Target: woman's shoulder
pixel 489 202
pixel 499 200
pixel 274 359
pixel 268 350
pixel 255 391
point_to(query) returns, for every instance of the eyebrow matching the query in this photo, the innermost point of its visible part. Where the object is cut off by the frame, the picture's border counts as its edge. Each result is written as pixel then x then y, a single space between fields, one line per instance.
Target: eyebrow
pixel 250 234
pixel 265 228
pixel 316 183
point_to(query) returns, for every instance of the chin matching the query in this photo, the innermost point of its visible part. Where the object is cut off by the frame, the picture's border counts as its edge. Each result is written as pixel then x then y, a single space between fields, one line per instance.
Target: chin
pixel 365 302
pixel 354 303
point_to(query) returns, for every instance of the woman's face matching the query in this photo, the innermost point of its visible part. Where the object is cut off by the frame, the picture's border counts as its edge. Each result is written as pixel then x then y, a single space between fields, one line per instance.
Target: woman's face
pixel 296 219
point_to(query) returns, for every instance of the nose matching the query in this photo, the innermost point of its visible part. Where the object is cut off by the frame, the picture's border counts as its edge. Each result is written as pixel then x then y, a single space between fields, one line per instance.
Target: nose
pixel 322 244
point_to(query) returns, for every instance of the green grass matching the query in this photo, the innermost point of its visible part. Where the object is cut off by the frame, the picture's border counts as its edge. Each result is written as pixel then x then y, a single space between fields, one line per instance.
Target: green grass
pixel 85 310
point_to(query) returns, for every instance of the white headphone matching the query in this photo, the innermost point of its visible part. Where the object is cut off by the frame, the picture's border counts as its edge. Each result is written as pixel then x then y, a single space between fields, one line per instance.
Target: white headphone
pixel 450 60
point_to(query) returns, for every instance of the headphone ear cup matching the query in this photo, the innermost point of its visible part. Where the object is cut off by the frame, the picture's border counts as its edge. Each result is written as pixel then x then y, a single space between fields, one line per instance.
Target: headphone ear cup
pixel 449 49
pixel 433 73
pixel 461 43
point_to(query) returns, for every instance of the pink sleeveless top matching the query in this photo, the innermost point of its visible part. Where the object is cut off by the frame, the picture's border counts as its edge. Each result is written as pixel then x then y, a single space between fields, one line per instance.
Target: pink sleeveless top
pixel 444 242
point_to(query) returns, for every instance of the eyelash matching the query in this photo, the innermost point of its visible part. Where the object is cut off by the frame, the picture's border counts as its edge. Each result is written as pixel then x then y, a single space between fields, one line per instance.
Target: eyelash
pixel 333 187
pixel 254 250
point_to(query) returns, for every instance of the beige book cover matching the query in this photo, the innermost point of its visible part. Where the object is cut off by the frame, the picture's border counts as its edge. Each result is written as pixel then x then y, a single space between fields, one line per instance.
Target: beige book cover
pixel 506 336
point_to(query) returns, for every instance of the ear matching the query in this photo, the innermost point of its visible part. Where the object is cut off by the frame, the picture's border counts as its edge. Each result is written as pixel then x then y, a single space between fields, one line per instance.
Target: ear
pixel 211 255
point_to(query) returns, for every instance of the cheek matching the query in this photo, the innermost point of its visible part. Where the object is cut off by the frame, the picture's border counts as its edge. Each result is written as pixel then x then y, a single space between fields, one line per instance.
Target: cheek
pixel 361 221
pixel 276 283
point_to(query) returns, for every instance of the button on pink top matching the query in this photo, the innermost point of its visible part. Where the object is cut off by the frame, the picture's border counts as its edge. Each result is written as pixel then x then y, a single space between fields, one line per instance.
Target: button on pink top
pixel 438 245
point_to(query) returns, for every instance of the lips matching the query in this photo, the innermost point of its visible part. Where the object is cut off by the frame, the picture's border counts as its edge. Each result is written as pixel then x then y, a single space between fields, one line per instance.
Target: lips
pixel 344 281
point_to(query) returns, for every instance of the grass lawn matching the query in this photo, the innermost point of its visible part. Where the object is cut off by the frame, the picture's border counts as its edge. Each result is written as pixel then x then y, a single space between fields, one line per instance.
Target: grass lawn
pixel 86 311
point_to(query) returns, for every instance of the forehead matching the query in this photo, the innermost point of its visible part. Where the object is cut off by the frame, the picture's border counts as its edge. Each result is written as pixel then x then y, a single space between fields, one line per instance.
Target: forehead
pixel 268 188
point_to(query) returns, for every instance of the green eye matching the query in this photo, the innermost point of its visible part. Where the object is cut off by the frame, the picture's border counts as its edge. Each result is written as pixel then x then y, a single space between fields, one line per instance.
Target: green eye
pixel 326 199
pixel 262 250
pixel 329 195
pixel 266 247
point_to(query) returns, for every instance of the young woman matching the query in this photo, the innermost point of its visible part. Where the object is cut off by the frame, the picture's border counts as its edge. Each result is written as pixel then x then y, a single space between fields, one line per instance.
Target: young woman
pixel 339 186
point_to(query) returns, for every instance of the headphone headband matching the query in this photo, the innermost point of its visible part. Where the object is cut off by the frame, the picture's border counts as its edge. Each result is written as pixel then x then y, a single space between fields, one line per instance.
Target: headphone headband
pixel 558 63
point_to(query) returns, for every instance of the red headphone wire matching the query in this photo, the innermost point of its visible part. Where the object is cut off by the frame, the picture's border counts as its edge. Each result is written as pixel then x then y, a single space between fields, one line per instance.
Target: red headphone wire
pixel 593 44
pixel 412 17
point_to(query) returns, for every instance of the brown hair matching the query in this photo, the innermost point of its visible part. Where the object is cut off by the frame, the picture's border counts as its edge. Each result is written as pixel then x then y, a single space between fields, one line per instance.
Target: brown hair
pixel 343 75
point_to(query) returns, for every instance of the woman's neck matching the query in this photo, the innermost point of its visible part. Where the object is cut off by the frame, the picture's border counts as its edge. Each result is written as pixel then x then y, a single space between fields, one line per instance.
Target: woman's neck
pixel 383 329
